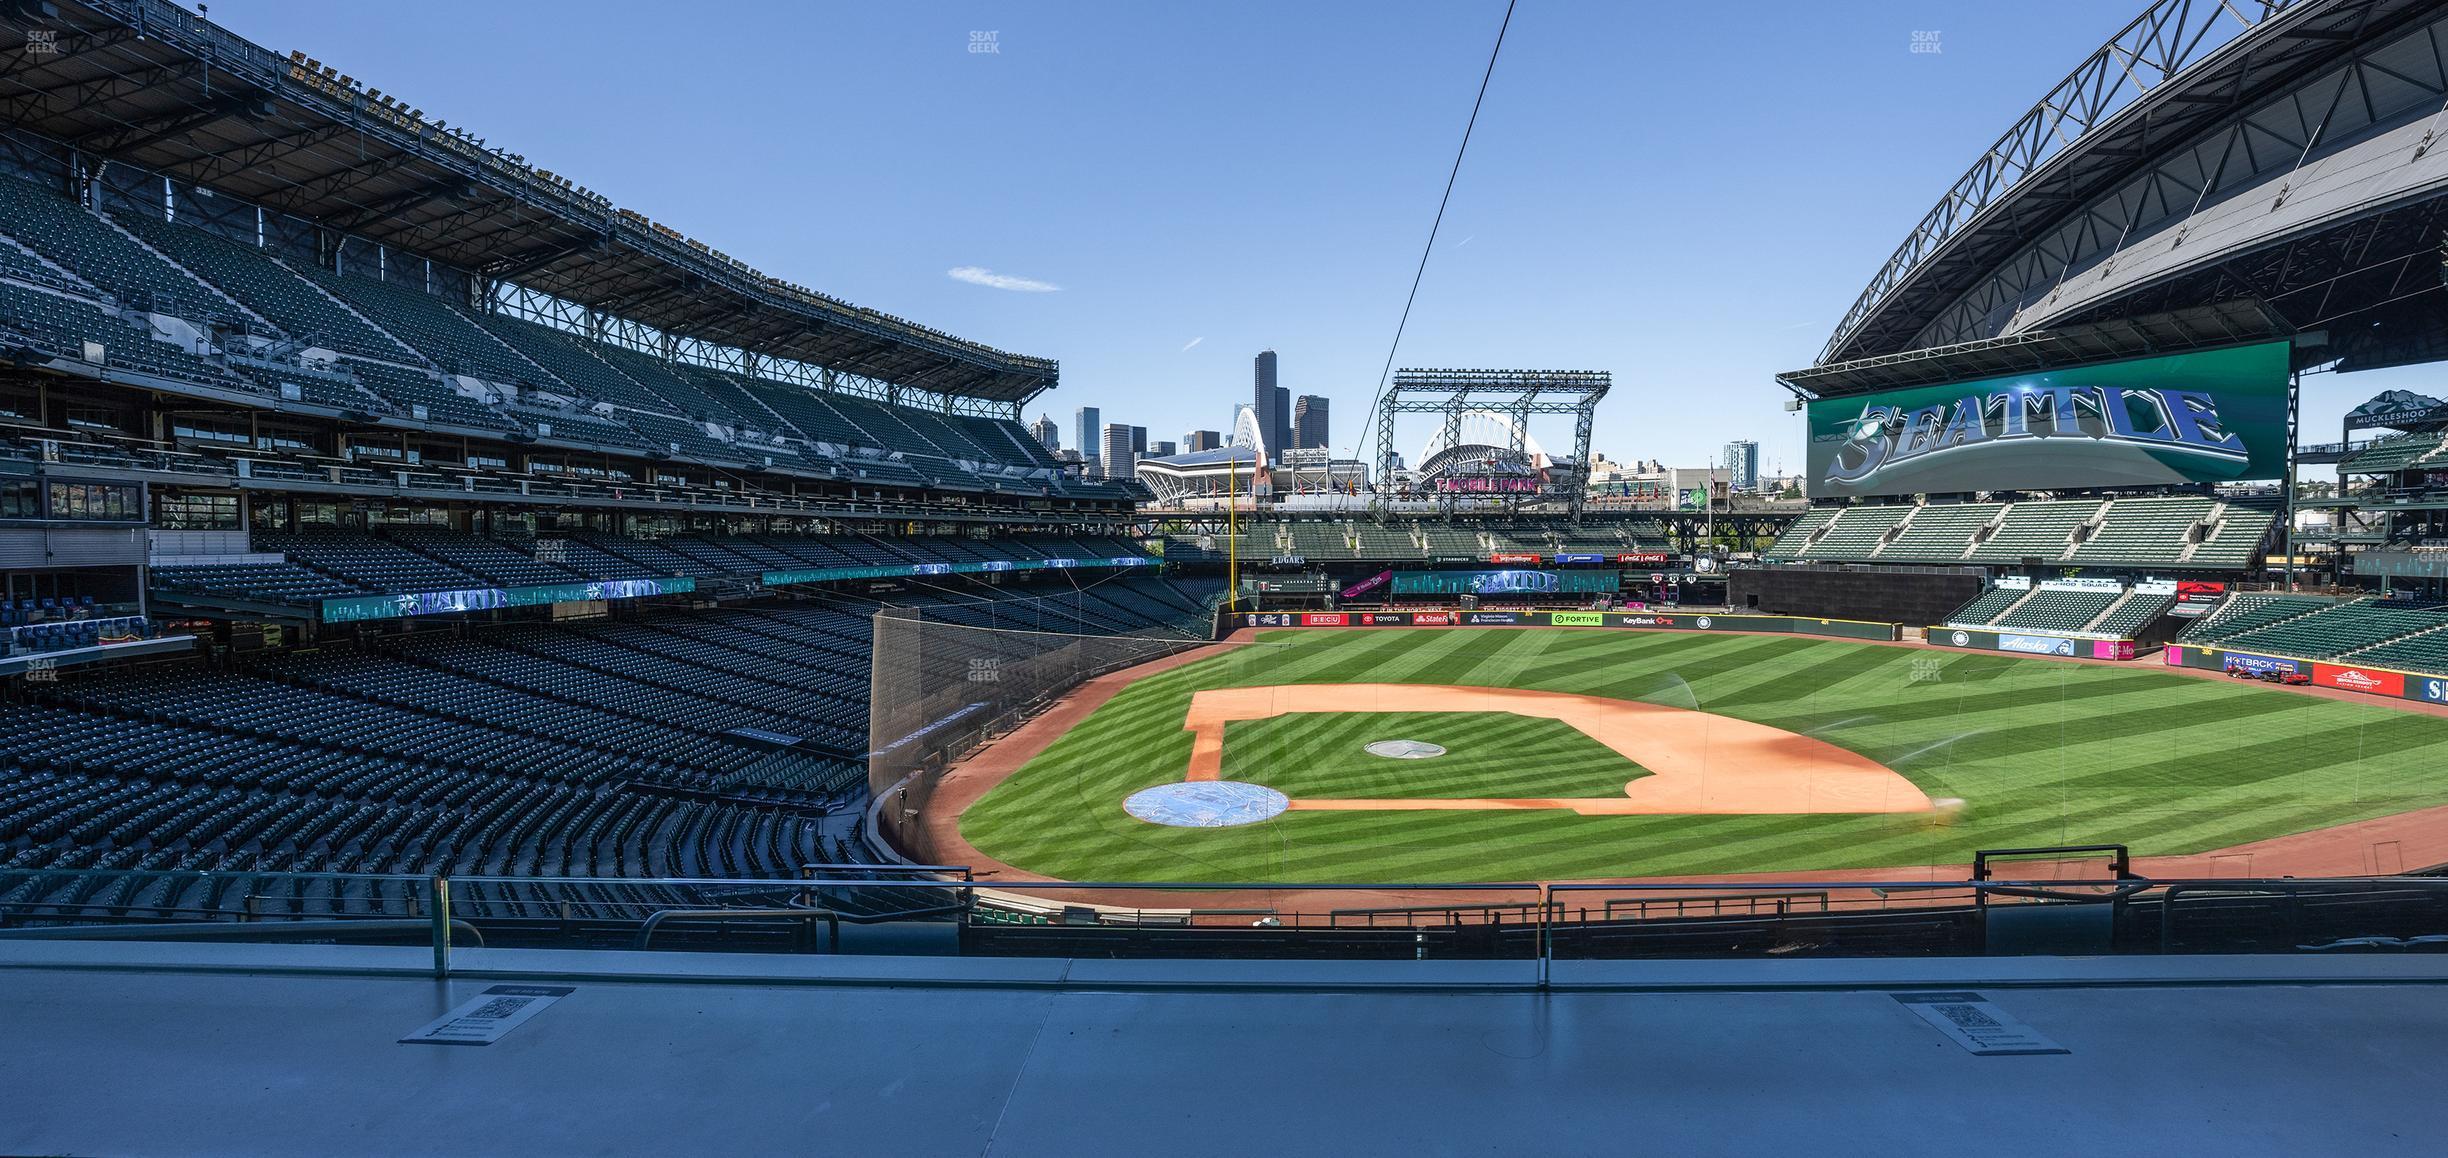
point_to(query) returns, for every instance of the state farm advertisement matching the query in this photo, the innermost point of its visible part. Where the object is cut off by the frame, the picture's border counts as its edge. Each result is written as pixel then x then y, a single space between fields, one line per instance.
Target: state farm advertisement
pixel 1432 619
pixel 2359 679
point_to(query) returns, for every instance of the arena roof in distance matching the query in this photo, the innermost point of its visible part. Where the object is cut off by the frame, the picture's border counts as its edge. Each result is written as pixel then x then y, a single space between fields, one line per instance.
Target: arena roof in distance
pixel 2198 328
pixel 157 86
pixel 2153 178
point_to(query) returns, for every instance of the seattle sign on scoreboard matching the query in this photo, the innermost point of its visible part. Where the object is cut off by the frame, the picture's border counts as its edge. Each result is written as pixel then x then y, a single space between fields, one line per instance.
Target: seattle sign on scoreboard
pixel 2205 416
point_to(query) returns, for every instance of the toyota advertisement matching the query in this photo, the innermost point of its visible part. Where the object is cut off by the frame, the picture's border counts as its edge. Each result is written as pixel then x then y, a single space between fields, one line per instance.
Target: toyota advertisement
pixel 2206 416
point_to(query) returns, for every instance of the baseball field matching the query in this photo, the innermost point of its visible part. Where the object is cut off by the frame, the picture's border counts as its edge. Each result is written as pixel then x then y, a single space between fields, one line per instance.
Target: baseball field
pixel 1592 754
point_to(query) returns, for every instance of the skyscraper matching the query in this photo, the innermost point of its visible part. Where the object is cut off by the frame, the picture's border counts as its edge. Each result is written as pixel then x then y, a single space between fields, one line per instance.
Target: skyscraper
pixel 1309 422
pixel 1279 437
pixel 1138 440
pixel 1198 440
pixel 1162 449
pixel 1741 462
pixel 1046 432
pixel 1086 423
pixel 1269 404
pixel 1118 460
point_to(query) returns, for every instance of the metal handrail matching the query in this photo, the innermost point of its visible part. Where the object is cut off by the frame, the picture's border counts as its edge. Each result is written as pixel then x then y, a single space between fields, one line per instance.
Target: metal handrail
pixel 1539 917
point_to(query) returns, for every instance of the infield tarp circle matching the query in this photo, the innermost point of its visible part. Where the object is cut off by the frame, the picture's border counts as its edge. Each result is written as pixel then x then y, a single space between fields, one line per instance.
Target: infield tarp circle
pixel 1404 749
pixel 1206 804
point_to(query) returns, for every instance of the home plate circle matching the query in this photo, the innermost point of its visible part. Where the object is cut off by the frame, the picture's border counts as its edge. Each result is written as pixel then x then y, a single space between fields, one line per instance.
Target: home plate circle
pixel 1404 749
pixel 1206 804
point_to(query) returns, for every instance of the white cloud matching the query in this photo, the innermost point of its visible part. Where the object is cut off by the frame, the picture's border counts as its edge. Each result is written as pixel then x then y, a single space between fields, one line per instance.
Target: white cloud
pixel 1192 342
pixel 980 275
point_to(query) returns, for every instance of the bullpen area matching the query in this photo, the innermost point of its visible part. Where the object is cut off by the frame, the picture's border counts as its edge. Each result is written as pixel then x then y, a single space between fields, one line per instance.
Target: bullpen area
pixel 1471 754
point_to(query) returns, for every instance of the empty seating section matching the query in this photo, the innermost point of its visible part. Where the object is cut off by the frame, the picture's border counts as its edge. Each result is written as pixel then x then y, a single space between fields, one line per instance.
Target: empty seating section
pixel 393 334
pixel 418 394
pixel 1452 541
pixel 2334 631
pixel 2425 652
pixel 2249 611
pixel 2059 610
pixel 442 334
pixel 2133 613
pixel 2035 530
pixel 1857 533
pixel 62 325
pixel 569 359
pixel 1991 604
pixel 2144 531
pixel 369 562
pixel 254 582
pixel 268 287
pixel 483 558
pixel 1796 538
pixel 78 240
pixel 2236 539
pixel 1378 542
pixel 1939 532
pixel 1312 540
pixel 602 748
pixel 2389 455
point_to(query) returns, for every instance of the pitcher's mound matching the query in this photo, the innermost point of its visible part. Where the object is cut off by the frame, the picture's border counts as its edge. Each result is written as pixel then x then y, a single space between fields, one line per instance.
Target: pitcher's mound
pixel 1404 749
pixel 1206 804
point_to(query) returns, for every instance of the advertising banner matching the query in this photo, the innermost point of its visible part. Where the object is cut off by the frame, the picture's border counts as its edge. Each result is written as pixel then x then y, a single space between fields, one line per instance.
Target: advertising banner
pixel 2206 416
pixel 1504 582
pixel 2195 598
pixel 2359 679
pixel 1644 558
pixel 1788 624
pixel 2429 689
pixel 1367 585
pixel 1512 557
pixel 1580 558
pixel 359 608
pixel 2259 663
pixel 2035 644
pixel 2112 649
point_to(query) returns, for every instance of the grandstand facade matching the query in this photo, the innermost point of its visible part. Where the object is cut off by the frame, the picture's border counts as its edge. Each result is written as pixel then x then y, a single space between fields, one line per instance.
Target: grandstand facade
pixel 372 501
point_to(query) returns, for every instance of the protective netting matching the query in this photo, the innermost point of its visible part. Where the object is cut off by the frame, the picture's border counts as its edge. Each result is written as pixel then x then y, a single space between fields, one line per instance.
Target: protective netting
pixel 941 688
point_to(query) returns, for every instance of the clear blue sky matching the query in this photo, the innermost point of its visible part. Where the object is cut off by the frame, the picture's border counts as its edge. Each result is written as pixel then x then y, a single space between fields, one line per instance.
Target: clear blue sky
pixel 1688 196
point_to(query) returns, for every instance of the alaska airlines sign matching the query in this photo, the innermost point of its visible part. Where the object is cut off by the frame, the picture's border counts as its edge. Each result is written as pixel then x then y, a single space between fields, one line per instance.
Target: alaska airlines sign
pixel 2202 417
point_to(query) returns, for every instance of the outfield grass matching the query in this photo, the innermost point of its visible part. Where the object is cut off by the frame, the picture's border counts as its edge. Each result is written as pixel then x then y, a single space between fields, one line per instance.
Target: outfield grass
pixel 1486 754
pixel 2044 753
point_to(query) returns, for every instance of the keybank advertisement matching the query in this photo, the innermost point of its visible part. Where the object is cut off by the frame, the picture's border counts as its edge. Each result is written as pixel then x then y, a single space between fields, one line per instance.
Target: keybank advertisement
pixel 2209 416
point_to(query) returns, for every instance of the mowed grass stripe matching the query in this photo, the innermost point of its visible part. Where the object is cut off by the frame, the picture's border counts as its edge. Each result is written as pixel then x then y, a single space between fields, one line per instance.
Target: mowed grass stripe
pixel 2042 751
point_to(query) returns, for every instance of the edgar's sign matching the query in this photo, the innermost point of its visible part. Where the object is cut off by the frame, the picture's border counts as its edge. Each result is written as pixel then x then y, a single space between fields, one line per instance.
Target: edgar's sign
pixel 2208 416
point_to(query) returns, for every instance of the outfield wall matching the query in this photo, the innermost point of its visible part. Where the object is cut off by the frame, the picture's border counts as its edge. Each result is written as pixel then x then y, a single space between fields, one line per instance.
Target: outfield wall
pixel 2030 642
pixel 1637 620
pixel 2373 681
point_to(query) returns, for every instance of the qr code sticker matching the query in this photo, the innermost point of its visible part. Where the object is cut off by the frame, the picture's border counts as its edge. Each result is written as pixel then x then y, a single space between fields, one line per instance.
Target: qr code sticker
pixel 499 1007
pixel 1968 1017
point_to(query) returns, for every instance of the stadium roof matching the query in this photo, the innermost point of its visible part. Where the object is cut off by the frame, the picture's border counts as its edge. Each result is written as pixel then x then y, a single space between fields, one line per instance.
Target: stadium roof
pixel 2179 69
pixel 2200 328
pixel 154 85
